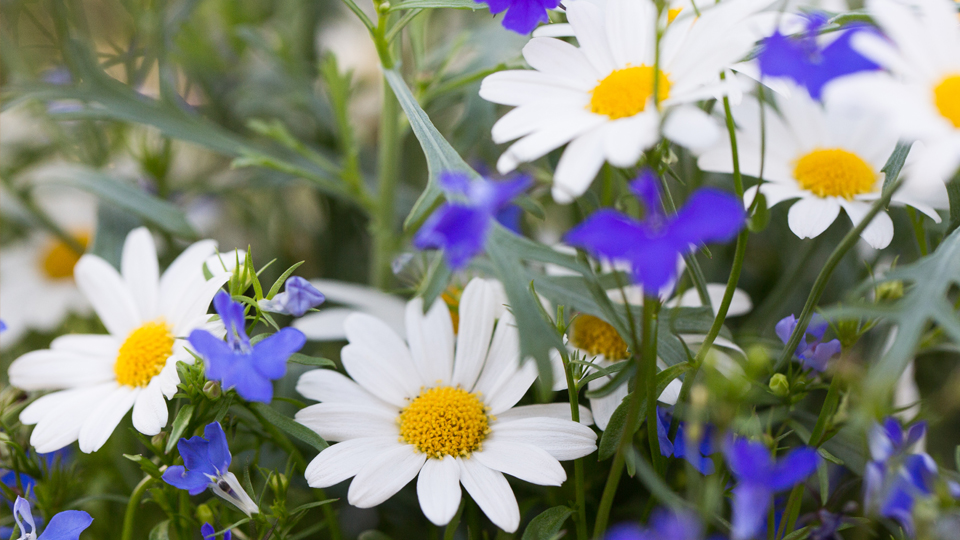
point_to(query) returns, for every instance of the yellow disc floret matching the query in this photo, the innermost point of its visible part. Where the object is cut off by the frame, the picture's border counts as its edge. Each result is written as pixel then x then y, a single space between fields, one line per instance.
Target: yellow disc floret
pixel 835 172
pixel 445 421
pixel 597 337
pixel 625 92
pixel 947 98
pixel 59 258
pixel 144 353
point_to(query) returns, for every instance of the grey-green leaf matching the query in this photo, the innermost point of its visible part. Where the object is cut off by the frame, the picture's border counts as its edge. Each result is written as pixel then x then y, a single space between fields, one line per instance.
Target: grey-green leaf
pixel 546 525
pixel 291 427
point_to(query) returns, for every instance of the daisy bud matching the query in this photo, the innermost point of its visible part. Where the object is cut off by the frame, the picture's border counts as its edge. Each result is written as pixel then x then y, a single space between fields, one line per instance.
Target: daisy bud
pixel 779 385
pixel 212 390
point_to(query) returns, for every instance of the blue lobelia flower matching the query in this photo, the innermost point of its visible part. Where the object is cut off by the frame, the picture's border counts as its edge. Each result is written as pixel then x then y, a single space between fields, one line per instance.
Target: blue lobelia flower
pixel 759 477
pixel 297 298
pixel 653 246
pixel 807 63
pixel 894 479
pixel 237 363
pixel 205 463
pixel 664 524
pixel 207 531
pixel 460 227
pixel 66 525
pixel 813 354
pixel 522 15
pixel 700 458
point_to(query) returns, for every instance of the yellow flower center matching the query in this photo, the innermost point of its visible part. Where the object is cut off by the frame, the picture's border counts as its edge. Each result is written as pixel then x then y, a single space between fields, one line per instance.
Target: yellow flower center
pixel 451 297
pixel 834 172
pixel 445 421
pixel 144 353
pixel 672 14
pixel 625 92
pixel 947 98
pixel 59 258
pixel 597 337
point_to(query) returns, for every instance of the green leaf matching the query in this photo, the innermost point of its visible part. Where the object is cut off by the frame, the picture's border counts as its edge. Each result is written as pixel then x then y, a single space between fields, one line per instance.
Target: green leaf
pixel 427 4
pixel 161 531
pixel 373 535
pixel 307 506
pixel 438 276
pixel 440 155
pixel 305 360
pixel 113 225
pixel 180 424
pixel 895 163
pixel 291 427
pixel 953 193
pixel 546 525
pixel 281 280
pixel 761 216
pixel 145 464
pixel 126 196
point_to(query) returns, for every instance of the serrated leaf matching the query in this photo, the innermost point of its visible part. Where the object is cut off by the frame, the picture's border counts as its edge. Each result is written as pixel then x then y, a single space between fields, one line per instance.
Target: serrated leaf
pixel 291 427
pixel 317 361
pixel 546 525
pixel 894 163
pixel 180 424
pixel 113 225
pixel 438 152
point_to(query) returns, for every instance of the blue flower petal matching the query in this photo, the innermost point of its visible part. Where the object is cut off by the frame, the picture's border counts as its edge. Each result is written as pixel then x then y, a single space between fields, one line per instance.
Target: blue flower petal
pixel 298 297
pixel 458 229
pixel 194 482
pixel 785 328
pixel 606 234
pixel 66 525
pixel 751 502
pixel 218 451
pixel 709 215
pixel 793 468
pixel 207 531
pixel 271 354
pixel 749 461
pixel 217 355
pixel 231 313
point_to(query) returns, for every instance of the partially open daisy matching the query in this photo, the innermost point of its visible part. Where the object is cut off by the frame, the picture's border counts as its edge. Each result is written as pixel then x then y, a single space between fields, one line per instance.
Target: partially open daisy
pixel 602 98
pixel 922 51
pixel 439 407
pixel 827 155
pixel 101 377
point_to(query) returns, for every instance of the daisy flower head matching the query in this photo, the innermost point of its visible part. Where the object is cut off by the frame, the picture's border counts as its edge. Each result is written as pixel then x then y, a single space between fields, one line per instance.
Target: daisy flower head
pixel 827 155
pixel 921 50
pixel 606 98
pixel 440 406
pixel 101 377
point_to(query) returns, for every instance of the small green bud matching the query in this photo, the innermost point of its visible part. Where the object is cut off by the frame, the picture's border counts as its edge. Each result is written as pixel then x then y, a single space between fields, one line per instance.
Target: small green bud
pixel 779 385
pixel 212 390
pixel 848 332
pixel 159 439
pixel 204 514
pixel 758 358
pixel 890 290
pixel 384 7
pixel 278 483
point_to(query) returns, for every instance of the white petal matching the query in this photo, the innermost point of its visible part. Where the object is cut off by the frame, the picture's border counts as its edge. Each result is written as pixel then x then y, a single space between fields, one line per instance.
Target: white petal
pixel 589 26
pixel 385 475
pixel 477 306
pixel 345 459
pixel 185 268
pixel 578 166
pixel 438 489
pixel 98 427
pixel 558 129
pixel 88 344
pixel 108 294
pixel 330 386
pixel 810 216
pixel 141 272
pixel 52 370
pixel 501 369
pixel 692 128
pixel 879 232
pixel 553 30
pixel 562 439
pixel 561 59
pixel 523 461
pixel 604 406
pixel 343 421
pixel 325 325
pixel 194 304
pixel 491 492
pixel 150 409
pixel 548 410
pixel 60 415
pixel 625 139
pixel 431 340
pixel 386 307
pixel 523 87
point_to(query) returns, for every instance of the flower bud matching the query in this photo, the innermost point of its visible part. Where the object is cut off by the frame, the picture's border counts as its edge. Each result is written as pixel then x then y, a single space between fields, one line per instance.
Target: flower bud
pixel 212 390
pixel 890 290
pixel 278 483
pixel 779 385
pixel 204 514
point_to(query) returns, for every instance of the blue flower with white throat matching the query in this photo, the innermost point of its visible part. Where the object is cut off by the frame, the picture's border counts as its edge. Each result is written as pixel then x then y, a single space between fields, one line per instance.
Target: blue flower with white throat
pixel 205 463
pixel 249 368
pixel 297 298
pixel 66 525
pixel 460 226
pixel 815 353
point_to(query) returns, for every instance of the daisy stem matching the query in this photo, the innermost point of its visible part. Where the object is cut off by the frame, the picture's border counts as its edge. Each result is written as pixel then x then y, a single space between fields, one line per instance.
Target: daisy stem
pixel 388 163
pixel 651 313
pixel 919 231
pixel 572 392
pixel 132 504
pixel 451 530
pixel 820 284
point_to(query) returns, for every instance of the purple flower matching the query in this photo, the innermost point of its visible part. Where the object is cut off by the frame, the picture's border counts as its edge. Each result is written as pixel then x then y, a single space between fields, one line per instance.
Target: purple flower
pixel 700 458
pixel 807 63
pixel 66 525
pixel 297 298
pixel 759 477
pixel 522 15
pixel 205 463
pixel 207 531
pixel 654 245
pixel 664 524
pixel 812 354
pixel 460 227
pixel 237 363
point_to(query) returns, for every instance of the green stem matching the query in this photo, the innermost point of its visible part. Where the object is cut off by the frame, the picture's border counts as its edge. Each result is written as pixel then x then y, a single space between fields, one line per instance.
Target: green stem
pixel 389 163
pixel 916 219
pixel 821 282
pixel 574 397
pixel 451 529
pixel 132 504
pixel 651 309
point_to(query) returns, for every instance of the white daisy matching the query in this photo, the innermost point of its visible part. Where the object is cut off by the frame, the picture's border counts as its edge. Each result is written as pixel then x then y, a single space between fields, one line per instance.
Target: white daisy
pixel 101 377
pixel 599 96
pixel 923 96
pixel 442 408
pixel 827 155
pixel 37 290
